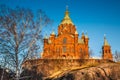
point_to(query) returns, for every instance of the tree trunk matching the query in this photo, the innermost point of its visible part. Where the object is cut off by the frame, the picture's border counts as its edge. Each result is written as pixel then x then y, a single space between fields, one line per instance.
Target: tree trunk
pixel 2 74
pixel 17 68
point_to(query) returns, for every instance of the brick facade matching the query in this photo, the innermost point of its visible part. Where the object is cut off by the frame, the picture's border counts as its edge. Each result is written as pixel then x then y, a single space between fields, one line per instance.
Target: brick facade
pixel 68 45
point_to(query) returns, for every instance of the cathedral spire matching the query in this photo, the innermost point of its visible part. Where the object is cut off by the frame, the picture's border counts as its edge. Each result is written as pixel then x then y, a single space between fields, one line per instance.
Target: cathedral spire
pixel 106 50
pixel 105 41
pixel 66 18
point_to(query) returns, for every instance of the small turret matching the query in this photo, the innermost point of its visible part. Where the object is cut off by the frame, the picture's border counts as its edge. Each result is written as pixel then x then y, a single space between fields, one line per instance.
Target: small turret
pixel 86 35
pixel 106 50
pixel 45 39
pixel 83 36
pixel 76 36
pixel 52 36
pixel 53 33
pixel 86 39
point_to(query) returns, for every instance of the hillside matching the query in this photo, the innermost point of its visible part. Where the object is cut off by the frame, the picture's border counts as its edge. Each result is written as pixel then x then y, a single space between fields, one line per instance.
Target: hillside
pixel 105 71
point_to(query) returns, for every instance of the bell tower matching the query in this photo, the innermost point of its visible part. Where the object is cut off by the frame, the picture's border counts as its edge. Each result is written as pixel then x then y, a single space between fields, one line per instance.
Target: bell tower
pixel 106 50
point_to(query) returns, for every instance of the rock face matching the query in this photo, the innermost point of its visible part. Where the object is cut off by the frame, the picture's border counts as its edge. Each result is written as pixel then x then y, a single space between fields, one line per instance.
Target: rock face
pixel 106 71
pixel 48 67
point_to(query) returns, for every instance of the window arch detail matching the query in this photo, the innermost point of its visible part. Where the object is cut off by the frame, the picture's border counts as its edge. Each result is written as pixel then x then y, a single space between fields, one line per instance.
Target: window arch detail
pixel 64 40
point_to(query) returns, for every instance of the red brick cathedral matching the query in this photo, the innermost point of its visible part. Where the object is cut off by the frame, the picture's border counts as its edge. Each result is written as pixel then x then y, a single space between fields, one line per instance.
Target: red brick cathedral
pixel 68 45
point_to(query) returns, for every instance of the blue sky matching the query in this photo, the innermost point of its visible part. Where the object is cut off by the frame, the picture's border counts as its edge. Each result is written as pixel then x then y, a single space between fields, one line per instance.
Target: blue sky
pixel 97 17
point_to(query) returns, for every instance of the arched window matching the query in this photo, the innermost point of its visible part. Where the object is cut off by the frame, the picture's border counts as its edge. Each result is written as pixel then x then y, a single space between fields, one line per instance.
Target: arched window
pixel 73 50
pixel 64 48
pixel 105 51
pixel 57 50
pixel 109 51
pixel 64 41
pixel 80 50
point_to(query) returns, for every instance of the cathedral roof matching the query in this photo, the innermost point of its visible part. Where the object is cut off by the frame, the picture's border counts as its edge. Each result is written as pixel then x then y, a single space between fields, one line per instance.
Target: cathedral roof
pixel 66 18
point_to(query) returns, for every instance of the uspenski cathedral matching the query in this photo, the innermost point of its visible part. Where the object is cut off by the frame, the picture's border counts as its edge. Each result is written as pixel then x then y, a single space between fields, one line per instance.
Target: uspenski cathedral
pixel 68 45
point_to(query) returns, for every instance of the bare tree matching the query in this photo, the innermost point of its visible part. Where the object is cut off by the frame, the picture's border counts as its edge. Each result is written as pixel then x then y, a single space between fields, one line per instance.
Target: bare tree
pixel 2 75
pixel 117 56
pixel 20 34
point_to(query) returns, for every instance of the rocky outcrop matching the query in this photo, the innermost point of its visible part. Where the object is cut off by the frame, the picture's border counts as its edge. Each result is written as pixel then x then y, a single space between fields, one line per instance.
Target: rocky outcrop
pixel 105 71
pixel 48 67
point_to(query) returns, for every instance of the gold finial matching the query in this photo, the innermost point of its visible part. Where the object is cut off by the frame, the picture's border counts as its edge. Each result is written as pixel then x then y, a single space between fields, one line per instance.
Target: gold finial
pixel 104 36
pixel 66 7
pixel 66 12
